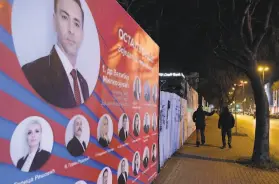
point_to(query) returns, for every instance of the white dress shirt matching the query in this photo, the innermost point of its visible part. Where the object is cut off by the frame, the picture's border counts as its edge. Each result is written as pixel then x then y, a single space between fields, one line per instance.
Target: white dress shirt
pixel 28 162
pixel 68 68
pixel 80 141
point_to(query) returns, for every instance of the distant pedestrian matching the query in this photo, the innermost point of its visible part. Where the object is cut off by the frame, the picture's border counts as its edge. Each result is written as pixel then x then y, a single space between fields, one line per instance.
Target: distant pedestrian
pixel 226 123
pixel 199 119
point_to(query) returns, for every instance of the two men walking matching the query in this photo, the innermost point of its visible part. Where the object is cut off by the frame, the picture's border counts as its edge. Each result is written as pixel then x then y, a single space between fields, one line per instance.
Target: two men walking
pixel 226 123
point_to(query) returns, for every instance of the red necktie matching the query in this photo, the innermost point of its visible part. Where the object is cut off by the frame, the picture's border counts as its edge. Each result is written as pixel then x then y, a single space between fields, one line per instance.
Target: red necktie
pixel 76 87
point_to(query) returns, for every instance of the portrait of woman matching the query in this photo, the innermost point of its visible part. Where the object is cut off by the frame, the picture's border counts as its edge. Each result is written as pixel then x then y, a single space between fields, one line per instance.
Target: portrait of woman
pixel 136 163
pixel 136 125
pixel 105 130
pixel 33 153
pixel 105 176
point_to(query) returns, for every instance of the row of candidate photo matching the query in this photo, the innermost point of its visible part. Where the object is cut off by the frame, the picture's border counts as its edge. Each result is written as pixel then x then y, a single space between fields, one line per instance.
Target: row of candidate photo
pixel 147 91
pixel 32 140
pixel 105 176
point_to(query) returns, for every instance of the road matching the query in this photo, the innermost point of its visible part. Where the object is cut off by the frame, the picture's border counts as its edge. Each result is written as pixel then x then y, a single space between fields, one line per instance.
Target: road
pixel 246 124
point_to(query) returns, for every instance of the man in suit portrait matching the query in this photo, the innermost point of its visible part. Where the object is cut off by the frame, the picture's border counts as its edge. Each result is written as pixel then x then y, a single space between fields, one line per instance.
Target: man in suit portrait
pixel 123 133
pixel 137 89
pixel 136 125
pixel 145 159
pixel 55 77
pixel 123 177
pixel 76 145
pixel 105 177
pixel 147 92
pixel 136 164
pixel 154 120
pixel 153 153
pixel 146 124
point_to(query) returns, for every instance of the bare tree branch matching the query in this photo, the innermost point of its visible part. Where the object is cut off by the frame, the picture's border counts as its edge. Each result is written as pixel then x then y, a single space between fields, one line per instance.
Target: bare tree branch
pixel 260 37
pixel 246 11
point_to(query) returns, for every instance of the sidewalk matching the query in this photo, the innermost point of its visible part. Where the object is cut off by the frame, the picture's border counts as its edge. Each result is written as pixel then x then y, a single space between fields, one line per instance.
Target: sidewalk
pixel 210 164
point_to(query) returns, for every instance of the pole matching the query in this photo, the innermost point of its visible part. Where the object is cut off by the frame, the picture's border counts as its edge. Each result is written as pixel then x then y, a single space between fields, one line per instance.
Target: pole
pixel 243 98
pixel 263 77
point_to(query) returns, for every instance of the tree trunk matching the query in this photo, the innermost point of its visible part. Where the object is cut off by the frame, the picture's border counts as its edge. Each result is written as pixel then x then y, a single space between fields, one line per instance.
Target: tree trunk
pixel 261 144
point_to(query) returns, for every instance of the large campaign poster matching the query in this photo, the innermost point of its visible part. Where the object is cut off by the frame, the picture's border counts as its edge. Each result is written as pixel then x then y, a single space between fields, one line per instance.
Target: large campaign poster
pixel 78 94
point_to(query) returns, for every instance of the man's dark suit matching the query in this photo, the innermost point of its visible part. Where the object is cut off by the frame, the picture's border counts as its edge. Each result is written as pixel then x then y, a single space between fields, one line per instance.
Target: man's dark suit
pixel 75 148
pixel 136 95
pixel 39 160
pixel 145 162
pixel 135 171
pixel 146 128
pixel 123 134
pixel 123 178
pixel 153 158
pixel 136 133
pixel 49 79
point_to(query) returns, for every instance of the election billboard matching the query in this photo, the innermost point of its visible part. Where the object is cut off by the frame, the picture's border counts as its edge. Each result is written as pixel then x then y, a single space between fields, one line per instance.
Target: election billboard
pixel 78 94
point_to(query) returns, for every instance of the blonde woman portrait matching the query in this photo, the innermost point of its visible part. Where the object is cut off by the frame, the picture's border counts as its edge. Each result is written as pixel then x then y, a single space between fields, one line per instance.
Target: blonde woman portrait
pixel 31 144
pixel 105 130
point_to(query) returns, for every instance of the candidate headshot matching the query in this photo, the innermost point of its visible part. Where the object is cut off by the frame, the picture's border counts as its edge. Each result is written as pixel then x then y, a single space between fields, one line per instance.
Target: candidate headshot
pixel 145 158
pixel 154 152
pixel 154 93
pixel 154 122
pixel 80 182
pixel 57 76
pixel 147 92
pixel 77 135
pixel 123 127
pixel 105 177
pixel 146 123
pixel 122 173
pixel 136 163
pixel 137 88
pixel 31 144
pixel 136 125
pixel 105 130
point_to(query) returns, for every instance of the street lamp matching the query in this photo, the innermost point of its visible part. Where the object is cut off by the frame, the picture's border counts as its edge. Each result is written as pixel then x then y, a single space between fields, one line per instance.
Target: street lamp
pixel 263 69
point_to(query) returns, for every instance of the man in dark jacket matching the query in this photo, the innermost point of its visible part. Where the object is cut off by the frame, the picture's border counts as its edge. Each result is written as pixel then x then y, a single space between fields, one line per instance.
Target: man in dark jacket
pixel 226 123
pixel 199 119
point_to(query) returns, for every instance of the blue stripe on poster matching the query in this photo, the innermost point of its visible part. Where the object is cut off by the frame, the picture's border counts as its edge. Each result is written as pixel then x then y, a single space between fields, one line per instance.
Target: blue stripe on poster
pixel 11 171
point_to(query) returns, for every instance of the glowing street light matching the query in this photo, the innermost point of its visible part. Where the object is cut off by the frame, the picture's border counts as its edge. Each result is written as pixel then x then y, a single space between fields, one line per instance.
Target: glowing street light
pixel 263 69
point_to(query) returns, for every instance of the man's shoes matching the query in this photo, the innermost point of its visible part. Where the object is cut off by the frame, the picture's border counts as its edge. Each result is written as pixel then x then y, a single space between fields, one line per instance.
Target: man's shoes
pixel 203 142
pixel 230 146
pixel 198 143
pixel 223 147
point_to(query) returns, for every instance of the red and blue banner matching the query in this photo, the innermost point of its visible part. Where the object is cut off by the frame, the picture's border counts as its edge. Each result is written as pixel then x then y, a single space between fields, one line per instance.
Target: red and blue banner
pixel 78 94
